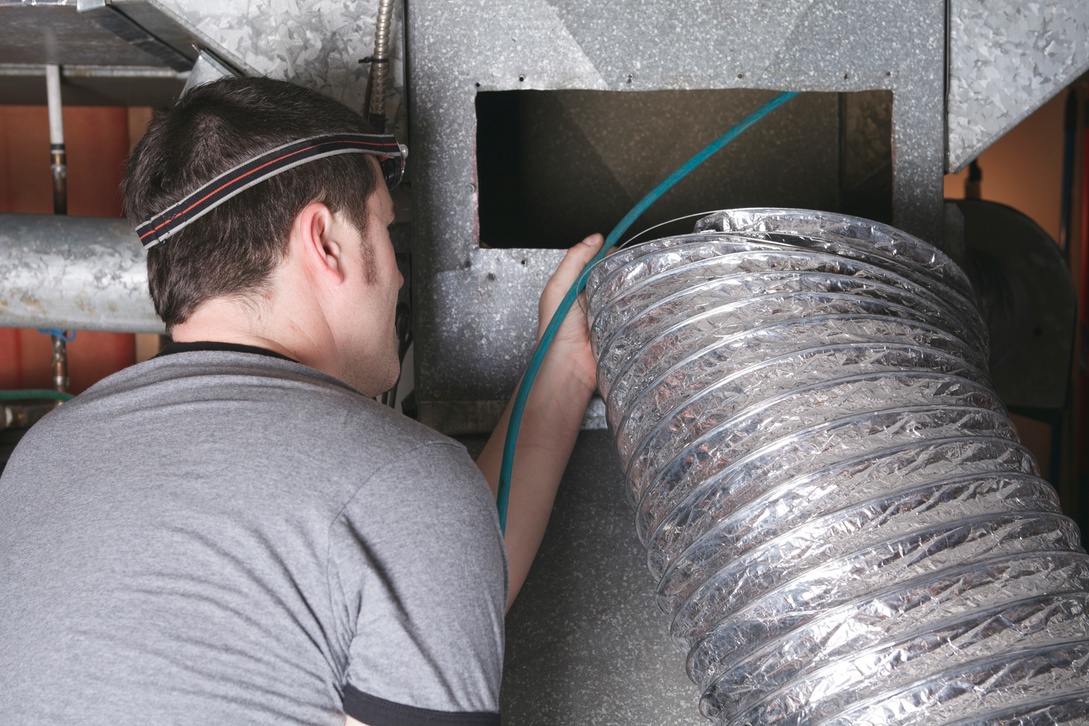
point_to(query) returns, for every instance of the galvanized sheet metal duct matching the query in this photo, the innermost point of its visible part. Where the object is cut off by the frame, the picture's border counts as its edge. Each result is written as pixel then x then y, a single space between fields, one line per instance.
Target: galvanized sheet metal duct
pixel 80 273
pixel 843 523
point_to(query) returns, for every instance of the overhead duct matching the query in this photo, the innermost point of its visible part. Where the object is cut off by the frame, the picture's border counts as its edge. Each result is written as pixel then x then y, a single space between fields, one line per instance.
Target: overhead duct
pixel 844 525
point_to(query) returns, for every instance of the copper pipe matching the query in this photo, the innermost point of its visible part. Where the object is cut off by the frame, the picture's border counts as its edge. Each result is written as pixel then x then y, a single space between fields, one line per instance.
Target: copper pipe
pixel 60 365
pixel 59 167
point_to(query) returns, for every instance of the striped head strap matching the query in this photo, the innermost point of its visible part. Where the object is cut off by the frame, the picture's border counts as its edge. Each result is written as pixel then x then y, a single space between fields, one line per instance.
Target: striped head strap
pixel 391 159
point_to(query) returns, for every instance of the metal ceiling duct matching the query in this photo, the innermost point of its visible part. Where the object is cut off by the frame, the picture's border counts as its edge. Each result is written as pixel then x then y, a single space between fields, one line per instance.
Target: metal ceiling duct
pixel 1006 58
pixel 844 525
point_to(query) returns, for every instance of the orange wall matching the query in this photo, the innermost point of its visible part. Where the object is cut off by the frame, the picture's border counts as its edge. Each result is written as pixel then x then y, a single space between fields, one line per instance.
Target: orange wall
pixel 97 142
pixel 1023 169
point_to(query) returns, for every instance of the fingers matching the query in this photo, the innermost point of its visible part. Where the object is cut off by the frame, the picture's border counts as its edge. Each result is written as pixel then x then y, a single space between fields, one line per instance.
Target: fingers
pixel 575 260
pixel 570 345
pixel 565 276
pixel 585 250
pixel 594 240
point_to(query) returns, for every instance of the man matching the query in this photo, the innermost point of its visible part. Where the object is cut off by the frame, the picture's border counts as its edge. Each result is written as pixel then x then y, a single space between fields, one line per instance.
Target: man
pixel 234 532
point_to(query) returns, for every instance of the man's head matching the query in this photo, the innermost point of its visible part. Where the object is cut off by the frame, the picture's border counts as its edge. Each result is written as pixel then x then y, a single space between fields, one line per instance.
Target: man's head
pixel 232 250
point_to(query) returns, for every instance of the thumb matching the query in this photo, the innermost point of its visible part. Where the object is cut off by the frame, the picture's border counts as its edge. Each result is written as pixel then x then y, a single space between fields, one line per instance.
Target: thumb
pixel 565 275
pixel 576 259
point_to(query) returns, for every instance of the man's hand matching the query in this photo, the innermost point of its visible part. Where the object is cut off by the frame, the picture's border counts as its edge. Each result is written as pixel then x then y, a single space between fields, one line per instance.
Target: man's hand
pixel 572 341
pixel 551 420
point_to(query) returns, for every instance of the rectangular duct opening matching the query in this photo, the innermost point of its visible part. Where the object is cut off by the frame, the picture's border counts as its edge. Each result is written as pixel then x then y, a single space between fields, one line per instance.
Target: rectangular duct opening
pixel 554 166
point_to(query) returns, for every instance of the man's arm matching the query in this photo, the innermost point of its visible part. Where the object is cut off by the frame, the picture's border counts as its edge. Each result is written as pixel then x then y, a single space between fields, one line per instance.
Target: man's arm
pixel 550 423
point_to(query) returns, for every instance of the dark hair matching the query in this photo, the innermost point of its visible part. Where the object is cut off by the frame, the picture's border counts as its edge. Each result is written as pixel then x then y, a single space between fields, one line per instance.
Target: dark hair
pixel 233 249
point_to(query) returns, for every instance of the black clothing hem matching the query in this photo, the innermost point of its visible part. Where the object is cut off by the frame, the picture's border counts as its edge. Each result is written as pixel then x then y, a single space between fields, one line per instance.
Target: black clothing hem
pixel 176 347
pixel 375 711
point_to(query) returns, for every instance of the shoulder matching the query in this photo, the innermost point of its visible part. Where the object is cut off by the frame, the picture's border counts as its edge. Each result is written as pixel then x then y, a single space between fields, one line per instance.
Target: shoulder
pixel 427 487
pixel 427 510
pixel 417 561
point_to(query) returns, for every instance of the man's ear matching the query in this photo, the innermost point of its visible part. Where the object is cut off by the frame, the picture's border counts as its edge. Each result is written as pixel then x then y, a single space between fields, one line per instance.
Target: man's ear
pixel 315 240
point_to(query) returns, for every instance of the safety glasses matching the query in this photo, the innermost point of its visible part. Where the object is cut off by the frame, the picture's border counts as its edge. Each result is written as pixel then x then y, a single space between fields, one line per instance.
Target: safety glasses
pixel 393 167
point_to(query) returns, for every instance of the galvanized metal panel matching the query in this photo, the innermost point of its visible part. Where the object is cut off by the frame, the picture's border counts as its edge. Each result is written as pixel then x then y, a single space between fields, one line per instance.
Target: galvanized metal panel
pixel 117 18
pixel 586 643
pixel 208 68
pixel 1006 59
pixel 475 335
pixel 59 34
pixel 316 44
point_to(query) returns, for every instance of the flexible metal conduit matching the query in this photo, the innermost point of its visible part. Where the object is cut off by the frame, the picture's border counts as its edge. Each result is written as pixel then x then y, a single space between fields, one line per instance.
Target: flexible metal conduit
pixel 380 65
pixel 843 523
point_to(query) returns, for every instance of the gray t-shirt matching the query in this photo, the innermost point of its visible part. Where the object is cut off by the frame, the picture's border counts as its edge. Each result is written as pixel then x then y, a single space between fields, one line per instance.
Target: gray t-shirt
pixel 230 538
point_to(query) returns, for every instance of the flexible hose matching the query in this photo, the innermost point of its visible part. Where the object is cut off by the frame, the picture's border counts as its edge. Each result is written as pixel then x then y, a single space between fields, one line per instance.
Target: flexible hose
pixel 843 523
pixel 32 394
pixel 511 441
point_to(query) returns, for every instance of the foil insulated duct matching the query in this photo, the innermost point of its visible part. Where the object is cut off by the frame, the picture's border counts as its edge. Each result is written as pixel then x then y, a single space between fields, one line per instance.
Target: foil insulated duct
pixel 843 523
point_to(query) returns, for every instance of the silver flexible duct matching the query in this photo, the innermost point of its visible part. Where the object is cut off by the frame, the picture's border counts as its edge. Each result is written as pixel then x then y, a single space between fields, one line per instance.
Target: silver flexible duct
pixel 843 523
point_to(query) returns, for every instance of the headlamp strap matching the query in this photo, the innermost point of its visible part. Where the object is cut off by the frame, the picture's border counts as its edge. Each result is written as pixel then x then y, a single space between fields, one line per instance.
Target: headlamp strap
pixel 234 181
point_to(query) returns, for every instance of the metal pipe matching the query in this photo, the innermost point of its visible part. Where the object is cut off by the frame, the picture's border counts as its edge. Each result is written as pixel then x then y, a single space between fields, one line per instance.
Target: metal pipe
pixel 59 167
pixel 22 417
pixel 80 273
pixel 57 154
pixel 60 364
pixel 844 526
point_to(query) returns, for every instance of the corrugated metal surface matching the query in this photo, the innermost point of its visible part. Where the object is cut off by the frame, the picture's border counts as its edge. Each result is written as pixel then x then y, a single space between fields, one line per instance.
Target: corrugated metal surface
pixel 1006 58
pixel 315 43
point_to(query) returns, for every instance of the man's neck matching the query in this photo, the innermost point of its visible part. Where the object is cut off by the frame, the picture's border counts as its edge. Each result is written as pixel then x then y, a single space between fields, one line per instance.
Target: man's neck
pixel 222 321
pixel 174 347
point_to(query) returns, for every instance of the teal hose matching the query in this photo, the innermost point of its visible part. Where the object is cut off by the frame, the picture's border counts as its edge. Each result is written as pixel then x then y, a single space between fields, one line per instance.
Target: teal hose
pixel 32 394
pixel 545 342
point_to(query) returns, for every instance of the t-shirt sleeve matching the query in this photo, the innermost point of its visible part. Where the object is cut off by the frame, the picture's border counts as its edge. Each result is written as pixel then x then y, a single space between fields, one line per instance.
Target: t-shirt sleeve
pixel 418 560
